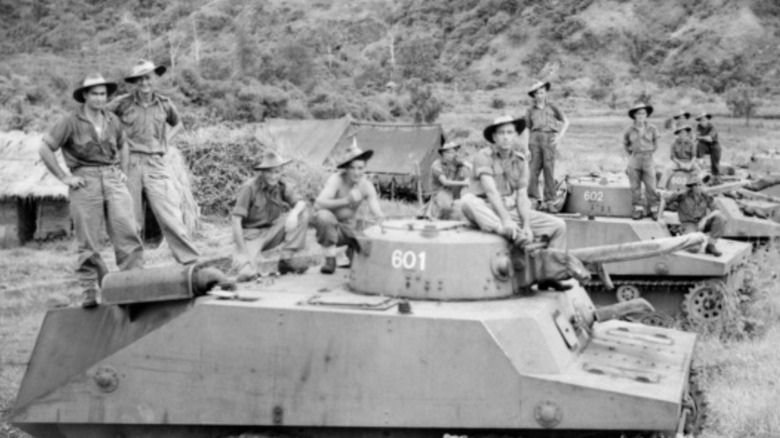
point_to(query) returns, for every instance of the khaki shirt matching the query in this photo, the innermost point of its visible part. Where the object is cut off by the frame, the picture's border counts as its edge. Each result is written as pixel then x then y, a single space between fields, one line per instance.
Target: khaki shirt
pixel 81 145
pixel 691 207
pixel 456 171
pixel 546 119
pixel 146 126
pixel 702 131
pixel 634 140
pixel 683 149
pixel 508 172
pixel 260 205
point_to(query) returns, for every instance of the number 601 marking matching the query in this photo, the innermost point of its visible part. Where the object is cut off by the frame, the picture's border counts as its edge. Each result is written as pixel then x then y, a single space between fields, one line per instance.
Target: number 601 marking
pixel 408 260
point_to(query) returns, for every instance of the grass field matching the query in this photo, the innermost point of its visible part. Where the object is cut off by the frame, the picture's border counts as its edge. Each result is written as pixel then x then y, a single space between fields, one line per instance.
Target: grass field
pixel 740 374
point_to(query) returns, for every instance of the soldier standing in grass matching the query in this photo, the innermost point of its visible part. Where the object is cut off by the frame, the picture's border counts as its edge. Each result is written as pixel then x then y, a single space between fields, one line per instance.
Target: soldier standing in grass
pixel 338 203
pixel 498 202
pixel 449 175
pixel 547 125
pixel 707 144
pixel 146 116
pixel 697 212
pixel 96 153
pixel 268 214
pixel 641 141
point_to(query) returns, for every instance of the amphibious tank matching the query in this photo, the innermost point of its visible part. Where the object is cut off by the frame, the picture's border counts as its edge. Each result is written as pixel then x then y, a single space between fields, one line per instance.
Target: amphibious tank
pixel 436 328
pixel 680 284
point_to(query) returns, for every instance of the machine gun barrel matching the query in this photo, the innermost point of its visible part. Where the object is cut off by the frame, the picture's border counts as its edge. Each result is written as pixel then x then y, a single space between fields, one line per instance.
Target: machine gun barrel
pixel 638 250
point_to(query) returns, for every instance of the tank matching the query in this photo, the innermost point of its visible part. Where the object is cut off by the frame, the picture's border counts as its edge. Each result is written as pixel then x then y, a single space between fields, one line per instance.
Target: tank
pixel 437 328
pixel 680 285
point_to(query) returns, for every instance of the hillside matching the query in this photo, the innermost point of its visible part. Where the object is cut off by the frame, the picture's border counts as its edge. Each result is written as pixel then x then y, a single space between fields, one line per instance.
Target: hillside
pixel 242 60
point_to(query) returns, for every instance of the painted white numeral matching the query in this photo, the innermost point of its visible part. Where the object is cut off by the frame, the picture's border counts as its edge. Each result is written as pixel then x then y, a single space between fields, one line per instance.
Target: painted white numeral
pixel 594 196
pixel 408 260
pixel 679 180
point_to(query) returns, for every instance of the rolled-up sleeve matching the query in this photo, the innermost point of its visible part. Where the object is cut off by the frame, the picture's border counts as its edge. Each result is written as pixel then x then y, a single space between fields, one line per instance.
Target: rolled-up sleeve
pixel 483 165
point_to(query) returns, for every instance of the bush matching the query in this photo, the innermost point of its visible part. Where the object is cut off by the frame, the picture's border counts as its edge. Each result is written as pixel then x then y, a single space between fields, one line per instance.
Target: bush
pixel 497 103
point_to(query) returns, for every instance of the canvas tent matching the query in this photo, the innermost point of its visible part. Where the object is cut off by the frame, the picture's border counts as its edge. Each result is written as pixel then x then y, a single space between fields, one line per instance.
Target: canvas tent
pixel 33 203
pixel 399 149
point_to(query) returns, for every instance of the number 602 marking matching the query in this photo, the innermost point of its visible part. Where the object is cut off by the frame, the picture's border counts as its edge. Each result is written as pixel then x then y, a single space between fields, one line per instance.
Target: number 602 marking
pixel 408 260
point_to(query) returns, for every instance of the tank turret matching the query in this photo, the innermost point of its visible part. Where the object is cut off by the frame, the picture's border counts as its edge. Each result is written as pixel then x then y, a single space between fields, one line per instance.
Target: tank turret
pixel 434 330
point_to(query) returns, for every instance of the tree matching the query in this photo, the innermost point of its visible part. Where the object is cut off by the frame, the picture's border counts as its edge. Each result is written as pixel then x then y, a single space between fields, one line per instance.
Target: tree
pixel 743 101
pixel 424 106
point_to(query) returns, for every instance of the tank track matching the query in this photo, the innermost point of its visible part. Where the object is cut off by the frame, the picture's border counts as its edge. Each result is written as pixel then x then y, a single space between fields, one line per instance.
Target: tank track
pixel 596 285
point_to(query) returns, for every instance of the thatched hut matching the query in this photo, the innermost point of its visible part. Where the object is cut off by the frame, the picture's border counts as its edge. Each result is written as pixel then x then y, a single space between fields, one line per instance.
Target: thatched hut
pixel 33 203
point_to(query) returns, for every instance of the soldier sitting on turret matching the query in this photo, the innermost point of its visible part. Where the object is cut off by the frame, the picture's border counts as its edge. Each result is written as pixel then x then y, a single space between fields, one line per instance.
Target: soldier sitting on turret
pixel 697 212
pixel 498 199
pixel 449 175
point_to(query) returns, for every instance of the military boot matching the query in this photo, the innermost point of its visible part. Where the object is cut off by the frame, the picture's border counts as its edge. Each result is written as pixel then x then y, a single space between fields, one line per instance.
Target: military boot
pixel 654 212
pixel 329 266
pixel 286 266
pixel 712 249
pixel 552 285
pixel 638 214
pixel 90 298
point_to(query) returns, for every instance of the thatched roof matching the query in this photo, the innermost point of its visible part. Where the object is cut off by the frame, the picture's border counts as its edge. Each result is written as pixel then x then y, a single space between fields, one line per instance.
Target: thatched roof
pixel 22 173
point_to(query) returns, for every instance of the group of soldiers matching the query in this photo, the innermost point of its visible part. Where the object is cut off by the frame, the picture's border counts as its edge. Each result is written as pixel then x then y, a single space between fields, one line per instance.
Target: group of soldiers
pixel 115 154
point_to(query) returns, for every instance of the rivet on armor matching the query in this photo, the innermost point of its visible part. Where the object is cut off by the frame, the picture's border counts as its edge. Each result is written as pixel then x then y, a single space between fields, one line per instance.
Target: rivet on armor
pixel 661 268
pixel 278 415
pixel 548 414
pixel 106 378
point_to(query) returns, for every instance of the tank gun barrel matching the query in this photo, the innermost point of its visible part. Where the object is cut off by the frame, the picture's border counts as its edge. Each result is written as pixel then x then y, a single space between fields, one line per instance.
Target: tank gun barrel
pixel 726 187
pixel 638 250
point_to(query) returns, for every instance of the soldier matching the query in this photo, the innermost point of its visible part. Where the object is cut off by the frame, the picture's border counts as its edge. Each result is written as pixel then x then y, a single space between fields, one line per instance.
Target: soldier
pixel 697 212
pixel 498 202
pixel 96 153
pixel 683 154
pixel 547 125
pixel 449 175
pixel 146 116
pixel 640 141
pixel 707 144
pixel 338 203
pixel 268 214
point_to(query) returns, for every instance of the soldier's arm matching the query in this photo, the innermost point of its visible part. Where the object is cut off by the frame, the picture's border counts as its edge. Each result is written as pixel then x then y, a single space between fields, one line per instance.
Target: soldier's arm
pixel 564 124
pixel 523 203
pixel 327 198
pixel 495 200
pixel 373 201
pixel 238 234
pixel 52 141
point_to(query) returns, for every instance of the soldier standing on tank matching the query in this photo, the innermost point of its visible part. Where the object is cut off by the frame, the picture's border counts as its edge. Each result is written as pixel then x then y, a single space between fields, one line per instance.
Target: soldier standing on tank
pixel 640 141
pixel 697 212
pixel 547 125
pixel 338 202
pixel 96 153
pixel 268 213
pixel 449 175
pixel 707 144
pixel 498 202
pixel 146 116
pixel 683 154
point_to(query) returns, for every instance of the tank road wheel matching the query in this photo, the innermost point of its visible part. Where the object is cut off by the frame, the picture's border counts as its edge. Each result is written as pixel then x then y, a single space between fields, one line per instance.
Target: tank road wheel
pixel 704 302
pixel 656 319
pixel 627 292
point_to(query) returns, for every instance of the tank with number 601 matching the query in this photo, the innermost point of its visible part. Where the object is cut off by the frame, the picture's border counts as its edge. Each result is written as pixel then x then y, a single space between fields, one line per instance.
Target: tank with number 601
pixel 437 328
pixel 680 284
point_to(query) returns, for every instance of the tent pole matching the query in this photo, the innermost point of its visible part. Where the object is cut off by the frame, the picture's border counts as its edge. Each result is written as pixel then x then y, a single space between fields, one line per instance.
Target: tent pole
pixel 419 185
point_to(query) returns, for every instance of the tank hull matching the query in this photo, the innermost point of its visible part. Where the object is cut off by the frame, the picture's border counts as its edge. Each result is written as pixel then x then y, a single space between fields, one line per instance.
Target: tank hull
pixel 305 352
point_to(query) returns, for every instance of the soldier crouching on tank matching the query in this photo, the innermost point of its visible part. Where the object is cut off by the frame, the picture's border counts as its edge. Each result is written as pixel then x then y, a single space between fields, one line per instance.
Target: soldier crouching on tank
pixel 641 141
pixel 338 203
pixel 96 153
pixel 268 214
pixel 498 202
pixel 697 212
pixel 449 175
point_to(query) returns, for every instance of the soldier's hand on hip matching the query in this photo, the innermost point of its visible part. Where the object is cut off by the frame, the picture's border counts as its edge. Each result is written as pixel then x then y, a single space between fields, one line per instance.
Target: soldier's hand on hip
pixel 74 182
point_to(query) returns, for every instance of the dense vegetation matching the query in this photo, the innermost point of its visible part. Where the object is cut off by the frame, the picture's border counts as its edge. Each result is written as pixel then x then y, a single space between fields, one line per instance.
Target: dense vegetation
pixel 246 60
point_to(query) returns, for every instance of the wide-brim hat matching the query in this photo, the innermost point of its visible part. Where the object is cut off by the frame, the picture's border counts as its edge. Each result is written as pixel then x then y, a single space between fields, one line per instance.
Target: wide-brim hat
pixel 639 106
pixel 538 85
pixel 697 178
pixel 93 80
pixel 143 68
pixel 503 120
pixel 683 128
pixel 682 114
pixel 269 160
pixel 354 153
pixel 449 145
pixel 703 115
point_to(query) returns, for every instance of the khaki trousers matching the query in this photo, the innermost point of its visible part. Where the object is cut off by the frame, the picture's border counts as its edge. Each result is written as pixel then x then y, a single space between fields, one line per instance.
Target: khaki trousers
pixel 104 199
pixel 480 213
pixel 149 175
pixel 258 240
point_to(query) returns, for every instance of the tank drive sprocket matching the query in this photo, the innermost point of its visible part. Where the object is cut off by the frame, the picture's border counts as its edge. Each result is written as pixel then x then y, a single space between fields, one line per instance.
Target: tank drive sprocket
pixel 704 302
pixel 627 292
